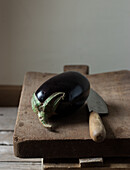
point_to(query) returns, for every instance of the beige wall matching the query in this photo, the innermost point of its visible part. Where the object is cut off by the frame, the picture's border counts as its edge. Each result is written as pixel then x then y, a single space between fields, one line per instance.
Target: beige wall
pixel 44 35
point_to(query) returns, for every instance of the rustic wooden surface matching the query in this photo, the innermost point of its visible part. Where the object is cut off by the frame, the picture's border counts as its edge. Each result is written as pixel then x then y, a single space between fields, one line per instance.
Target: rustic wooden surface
pixel 71 138
pixel 7 159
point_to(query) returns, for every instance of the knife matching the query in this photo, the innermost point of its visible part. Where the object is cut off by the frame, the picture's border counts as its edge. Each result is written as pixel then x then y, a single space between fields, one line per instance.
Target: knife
pixel 96 106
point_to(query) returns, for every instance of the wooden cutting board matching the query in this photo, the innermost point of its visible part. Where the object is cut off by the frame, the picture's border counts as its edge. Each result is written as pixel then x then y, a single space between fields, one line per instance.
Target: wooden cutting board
pixel 71 139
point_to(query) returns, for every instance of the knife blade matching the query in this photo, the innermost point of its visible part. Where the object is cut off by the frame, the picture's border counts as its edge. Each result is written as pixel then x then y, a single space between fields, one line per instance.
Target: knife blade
pixel 96 106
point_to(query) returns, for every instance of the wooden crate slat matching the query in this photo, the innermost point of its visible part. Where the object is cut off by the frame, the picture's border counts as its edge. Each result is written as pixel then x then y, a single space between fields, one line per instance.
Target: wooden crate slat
pixel 20 166
pixel 7 155
pixel 8 118
pixel 6 138
pixel 75 167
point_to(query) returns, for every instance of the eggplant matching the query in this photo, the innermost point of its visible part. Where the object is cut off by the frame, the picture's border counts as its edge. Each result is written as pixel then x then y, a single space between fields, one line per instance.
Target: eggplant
pixel 63 93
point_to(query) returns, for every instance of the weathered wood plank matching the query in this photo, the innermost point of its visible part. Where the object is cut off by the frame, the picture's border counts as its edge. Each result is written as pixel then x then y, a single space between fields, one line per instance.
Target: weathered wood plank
pixel 9 95
pixel 63 166
pixel 7 155
pixel 20 166
pixel 6 138
pixel 7 118
pixel 7 158
pixel 77 167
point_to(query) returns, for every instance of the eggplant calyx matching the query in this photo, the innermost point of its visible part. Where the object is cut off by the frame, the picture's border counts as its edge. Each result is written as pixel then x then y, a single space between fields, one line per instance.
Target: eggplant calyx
pixel 44 120
pixel 51 103
pixel 35 103
pixel 47 109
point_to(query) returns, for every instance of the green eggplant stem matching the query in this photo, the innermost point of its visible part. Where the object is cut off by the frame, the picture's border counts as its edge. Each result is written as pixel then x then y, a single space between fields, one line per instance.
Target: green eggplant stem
pixel 47 108
pixel 44 120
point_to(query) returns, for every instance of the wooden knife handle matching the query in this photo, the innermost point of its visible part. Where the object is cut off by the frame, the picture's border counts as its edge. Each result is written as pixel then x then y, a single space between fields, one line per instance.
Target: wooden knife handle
pixel 96 127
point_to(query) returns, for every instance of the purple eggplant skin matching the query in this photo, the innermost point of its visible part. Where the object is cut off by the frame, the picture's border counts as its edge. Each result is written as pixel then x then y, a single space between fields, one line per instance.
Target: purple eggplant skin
pixel 75 86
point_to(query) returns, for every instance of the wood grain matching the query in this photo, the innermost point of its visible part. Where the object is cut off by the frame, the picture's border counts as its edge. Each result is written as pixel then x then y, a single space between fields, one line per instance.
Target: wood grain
pixel 6 138
pixel 72 136
pixel 91 162
pixel 7 118
pixel 96 127
pixel 76 167
pixel 7 155
pixel 7 158
pixel 20 166
pixel 7 122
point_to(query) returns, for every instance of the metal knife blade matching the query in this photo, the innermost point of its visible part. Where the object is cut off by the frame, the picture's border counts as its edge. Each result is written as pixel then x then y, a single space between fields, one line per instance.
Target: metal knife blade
pixel 96 103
